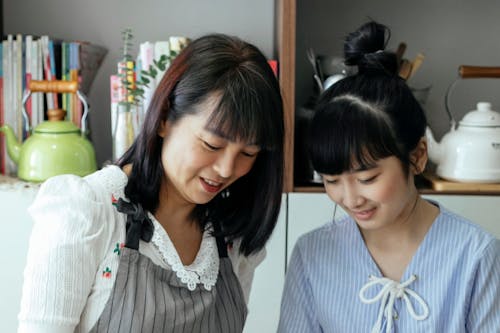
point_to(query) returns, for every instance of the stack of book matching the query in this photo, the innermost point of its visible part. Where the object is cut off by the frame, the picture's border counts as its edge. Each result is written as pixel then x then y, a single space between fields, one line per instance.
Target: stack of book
pixel 24 58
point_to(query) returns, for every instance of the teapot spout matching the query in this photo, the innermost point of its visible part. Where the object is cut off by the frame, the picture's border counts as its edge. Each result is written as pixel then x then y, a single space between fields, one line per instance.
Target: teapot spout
pixel 433 147
pixel 13 146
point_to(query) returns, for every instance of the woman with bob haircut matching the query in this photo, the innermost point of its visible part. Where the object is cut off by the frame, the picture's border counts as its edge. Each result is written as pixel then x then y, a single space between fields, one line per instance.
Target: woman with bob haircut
pixel 396 262
pixel 168 238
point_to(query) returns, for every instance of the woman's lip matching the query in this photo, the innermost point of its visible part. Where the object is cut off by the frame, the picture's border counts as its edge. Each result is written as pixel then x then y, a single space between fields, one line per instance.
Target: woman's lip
pixel 364 214
pixel 210 188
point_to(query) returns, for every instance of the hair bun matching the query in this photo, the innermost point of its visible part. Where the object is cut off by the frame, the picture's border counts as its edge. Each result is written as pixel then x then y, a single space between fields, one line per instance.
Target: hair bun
pixel 365 49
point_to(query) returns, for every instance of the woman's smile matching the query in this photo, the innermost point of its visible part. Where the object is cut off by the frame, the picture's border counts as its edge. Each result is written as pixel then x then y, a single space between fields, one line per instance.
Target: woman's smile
pixel 210 186
pixel 364 215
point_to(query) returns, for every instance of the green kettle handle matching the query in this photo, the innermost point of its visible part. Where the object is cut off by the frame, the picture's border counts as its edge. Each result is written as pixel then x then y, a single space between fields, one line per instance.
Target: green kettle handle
pixel 56 86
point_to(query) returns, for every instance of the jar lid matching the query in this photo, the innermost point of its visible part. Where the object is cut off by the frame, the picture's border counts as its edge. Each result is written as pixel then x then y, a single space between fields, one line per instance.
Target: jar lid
pixel 484 116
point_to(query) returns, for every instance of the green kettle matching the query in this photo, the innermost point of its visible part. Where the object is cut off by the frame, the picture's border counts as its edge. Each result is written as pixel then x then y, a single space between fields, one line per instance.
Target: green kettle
pixel 55 146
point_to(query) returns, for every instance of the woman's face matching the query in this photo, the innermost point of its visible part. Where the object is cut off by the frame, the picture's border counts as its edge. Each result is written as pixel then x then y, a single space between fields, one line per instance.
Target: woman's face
pixel 198 163
pixel 375 198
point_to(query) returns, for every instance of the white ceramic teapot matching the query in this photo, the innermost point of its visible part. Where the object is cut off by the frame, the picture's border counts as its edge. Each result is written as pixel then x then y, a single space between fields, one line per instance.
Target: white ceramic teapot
pixel 471 152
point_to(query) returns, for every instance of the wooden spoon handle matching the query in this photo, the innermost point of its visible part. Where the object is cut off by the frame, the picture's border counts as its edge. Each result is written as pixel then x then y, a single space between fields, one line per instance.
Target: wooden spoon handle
pixel 467 72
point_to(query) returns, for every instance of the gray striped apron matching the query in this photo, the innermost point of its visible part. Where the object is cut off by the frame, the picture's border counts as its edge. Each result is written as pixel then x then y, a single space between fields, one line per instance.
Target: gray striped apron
pixel 148 298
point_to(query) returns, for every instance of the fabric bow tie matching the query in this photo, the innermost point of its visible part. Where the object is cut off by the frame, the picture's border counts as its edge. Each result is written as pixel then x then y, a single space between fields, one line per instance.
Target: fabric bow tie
pixel 139 225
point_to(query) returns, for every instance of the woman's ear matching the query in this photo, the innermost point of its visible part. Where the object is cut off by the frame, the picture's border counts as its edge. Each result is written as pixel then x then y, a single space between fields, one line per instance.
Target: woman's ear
pixel 418 157
pixel 163 130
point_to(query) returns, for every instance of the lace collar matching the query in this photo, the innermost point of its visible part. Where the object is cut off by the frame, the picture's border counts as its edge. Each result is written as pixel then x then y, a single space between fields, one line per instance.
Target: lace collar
pixel 205 267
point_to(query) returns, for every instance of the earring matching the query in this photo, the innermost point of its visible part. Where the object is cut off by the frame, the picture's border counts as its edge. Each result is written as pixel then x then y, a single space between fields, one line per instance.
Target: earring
pixel 226 193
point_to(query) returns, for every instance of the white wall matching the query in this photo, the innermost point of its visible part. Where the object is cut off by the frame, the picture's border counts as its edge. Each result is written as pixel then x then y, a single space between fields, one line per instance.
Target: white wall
pixel 101 22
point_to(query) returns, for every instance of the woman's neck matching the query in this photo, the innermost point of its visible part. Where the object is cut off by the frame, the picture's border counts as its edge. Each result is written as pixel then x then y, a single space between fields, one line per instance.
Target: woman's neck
pixel 393 247
pixel 411 228
pixel 176 217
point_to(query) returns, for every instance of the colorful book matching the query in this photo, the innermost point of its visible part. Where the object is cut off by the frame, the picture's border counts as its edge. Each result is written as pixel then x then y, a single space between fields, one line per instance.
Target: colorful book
pixel 37 106
pixel 47 70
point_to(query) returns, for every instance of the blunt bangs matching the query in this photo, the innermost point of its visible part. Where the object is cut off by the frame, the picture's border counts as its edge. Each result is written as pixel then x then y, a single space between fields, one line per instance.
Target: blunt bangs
pixel 335 147
pixel 247 114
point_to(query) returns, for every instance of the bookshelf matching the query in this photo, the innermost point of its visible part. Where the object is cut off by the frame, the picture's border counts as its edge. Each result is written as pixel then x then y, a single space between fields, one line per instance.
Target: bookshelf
pixel 323 24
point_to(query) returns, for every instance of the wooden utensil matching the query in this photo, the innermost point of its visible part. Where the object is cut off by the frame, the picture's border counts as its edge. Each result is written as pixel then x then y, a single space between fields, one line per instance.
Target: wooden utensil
pixel 405 69
pixel 416 64
pixel 400 51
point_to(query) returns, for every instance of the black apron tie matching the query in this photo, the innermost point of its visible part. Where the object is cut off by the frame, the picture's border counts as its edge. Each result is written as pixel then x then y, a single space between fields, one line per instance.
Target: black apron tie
pixel 139 225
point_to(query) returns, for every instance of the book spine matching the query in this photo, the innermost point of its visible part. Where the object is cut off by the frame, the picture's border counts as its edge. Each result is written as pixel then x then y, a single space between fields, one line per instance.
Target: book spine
pixel 28 76
pixel 19 87
pixel 46 69
pixel 39 76
pixel 64 77
pixel 52 69
pixel 73 73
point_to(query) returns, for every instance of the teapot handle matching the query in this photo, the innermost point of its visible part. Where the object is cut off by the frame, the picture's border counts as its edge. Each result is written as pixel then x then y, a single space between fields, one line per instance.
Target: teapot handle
pixel 469 72
pixel 56 86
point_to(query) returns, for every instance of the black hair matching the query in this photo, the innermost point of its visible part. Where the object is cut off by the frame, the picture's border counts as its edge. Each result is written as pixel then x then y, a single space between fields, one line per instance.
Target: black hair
pixel 250 108
pixel 368 116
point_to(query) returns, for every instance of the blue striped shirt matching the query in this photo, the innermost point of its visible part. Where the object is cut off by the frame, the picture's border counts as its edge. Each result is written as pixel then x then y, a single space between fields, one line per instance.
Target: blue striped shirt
pixel 457 270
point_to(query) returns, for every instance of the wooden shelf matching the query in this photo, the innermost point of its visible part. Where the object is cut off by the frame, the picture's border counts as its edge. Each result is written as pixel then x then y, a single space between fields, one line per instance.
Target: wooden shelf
pixel 286 49
pixel 430 184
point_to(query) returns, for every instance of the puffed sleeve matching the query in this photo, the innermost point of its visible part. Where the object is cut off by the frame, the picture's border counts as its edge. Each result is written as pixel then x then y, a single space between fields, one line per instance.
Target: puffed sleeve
pixel 484 309
pixel 244 266
pixel 66 246
pixel 297 304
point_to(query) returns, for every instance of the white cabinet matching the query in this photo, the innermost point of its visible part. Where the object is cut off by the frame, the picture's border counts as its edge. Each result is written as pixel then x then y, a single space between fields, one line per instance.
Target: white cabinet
pixel 16 228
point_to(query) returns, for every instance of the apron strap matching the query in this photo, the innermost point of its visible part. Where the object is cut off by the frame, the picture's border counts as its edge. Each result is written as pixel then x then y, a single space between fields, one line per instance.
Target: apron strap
pixel 139 226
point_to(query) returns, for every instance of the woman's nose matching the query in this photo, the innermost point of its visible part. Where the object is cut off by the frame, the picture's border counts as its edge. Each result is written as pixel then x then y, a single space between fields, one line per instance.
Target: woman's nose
pixel 351 197
pixel 224 165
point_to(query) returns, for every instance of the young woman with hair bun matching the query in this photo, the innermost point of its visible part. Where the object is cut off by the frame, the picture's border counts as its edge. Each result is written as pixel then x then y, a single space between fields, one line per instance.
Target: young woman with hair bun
pixel 396 262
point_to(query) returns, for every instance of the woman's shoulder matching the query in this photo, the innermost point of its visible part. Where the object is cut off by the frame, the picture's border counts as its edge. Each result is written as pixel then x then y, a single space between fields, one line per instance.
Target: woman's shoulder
pixel 461 231
pixel 67 199
pixel 110 179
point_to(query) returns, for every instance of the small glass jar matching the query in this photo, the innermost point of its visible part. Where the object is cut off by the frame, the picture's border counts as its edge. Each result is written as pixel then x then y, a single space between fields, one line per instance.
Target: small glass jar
pixel 126 127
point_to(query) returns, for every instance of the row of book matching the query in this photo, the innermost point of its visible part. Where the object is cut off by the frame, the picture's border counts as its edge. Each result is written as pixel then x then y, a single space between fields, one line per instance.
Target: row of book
pixel 24 58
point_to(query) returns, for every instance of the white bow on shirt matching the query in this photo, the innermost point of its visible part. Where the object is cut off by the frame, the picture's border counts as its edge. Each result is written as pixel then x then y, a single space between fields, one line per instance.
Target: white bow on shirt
pixel 388 294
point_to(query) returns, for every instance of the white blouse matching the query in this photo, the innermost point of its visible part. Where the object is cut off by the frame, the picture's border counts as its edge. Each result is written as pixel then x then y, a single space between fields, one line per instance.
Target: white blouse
pixel 73 253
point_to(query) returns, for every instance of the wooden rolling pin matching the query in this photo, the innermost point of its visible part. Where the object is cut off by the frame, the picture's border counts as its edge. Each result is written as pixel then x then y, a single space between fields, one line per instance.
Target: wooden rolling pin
pixel 469 72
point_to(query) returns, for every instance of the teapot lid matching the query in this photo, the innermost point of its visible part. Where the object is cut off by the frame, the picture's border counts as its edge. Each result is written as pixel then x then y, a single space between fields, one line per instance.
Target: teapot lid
pixel 56 123
pixel 484 116
pixel 57 127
